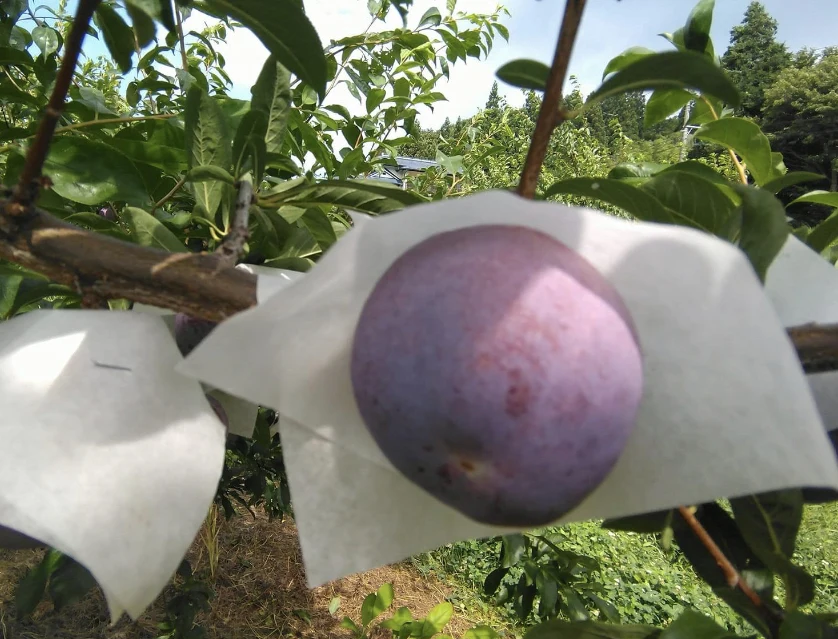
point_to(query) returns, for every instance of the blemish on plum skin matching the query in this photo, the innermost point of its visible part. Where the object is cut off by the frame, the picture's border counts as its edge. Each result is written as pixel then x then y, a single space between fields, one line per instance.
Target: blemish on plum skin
pixel 467 466
pixel 517 395
pixel 420 469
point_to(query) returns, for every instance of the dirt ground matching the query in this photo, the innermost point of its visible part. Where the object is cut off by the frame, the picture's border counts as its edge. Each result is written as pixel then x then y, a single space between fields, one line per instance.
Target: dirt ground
pixel 259 586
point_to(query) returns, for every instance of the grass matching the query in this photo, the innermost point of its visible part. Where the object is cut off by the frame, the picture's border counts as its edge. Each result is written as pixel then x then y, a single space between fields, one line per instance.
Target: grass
pixel 645 583
pixel 260 589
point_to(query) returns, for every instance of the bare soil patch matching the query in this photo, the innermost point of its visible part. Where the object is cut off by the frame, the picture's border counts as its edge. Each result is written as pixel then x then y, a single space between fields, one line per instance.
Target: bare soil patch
pixel 260 592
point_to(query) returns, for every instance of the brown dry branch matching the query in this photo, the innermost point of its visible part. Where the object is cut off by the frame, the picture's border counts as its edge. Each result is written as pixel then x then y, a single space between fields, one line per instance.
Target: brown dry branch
pixel 551 114
pixel 95 264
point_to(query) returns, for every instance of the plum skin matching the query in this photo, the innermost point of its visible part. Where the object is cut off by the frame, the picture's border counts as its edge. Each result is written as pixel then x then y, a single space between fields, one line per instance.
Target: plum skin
pixel 498 370
pixel 191 331
pixel 219 410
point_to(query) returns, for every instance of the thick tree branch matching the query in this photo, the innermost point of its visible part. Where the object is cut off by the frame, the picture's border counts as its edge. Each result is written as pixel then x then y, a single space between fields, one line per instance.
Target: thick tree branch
pixel 233 245
pixel 101 266
pixel 27 188
pixel 551 114
pixel 817 346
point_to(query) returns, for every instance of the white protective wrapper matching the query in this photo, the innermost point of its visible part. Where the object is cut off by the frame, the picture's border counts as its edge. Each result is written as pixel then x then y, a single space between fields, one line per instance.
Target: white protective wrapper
pixel 241 414
pixel 726 409
pixel 804 288
pixel 108 454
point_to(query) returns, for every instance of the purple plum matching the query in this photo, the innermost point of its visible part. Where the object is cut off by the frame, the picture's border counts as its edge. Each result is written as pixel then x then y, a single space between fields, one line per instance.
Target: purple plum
pixel 191 331
pixel 498 370
pixel 219 410
pixel 108 213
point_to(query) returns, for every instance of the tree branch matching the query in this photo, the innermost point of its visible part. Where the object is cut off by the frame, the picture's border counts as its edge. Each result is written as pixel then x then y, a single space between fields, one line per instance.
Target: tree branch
pixel 732 576
pixel 183 57
pixel 101 266
pixel 27 187
pixel 233 245
pixel 551 114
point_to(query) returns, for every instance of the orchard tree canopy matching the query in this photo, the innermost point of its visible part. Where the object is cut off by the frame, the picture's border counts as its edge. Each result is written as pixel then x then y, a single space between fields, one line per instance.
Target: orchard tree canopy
pixel 211 302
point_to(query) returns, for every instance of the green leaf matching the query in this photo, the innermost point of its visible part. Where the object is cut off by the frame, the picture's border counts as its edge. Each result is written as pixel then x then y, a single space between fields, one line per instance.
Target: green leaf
pixel 249 143
pixel 362 196
pixel 769 522
pixel 525 74
pixel 374 98
pixel 576 610
pixel 46 39
pixel 69 583
pixel 824 234
pixel 158 9
pixel 9 286
pixel 829 198
pixel 14 57
pixel 694 625
pixel 431 18
pixel 94 99
pixel 514 547
pixel 348 624
pixel 764 229
pixel 147 230
pixel 557 629
pixel 30 590
pixel 548 591
pixel 481 632
pixel 91 172
pixel 208 144
pixel 697 30
pixel 626 58
pixel 286 32
pixel 398 620
pixel 311 141
pixel 376 603
pixel 142 24
pixel 706 109
pixel 384 597
pixel 272 94
pixel 628 170
pixel 698 202
pixel 208 173
pixel 663 103
pixel 608 610
pixel 797 625
pixel 439 616
pixel 631 199
pixel 493 579
pixel 320 227
pixel 699 169
pixel 790 179
pixel 119 38
pixel 749 142
pixel 671 69
pixel 166 158
pixel 334 604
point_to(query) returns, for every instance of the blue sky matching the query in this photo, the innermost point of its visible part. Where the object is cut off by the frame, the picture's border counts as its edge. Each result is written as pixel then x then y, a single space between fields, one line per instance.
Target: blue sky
pixel 608 28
